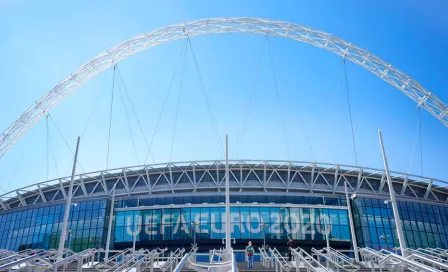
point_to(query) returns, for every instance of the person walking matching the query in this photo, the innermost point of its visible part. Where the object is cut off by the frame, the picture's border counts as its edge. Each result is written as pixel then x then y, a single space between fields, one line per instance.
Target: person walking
pixel 250 254
pixel 291 244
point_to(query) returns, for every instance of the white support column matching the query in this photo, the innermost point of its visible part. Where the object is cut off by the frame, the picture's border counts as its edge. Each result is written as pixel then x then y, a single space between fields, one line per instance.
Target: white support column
pixel 109 228
pixel 68 203
pixel 352 223
pixel 228 234
pixel 400 235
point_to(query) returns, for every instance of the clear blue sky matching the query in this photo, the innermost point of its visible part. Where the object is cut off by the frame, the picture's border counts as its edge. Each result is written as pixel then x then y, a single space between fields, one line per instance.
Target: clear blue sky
pixel 43 41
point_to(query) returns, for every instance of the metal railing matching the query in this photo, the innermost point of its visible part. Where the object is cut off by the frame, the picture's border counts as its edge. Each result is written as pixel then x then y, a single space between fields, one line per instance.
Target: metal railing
pixel 280 263
pixel 35 260
pixel 385 259
pixel 342 259
pixel 86 255
pixel 182 262
pixel 265 259
pixel 140 260
pixel 129 260
pixel 112 261
pixel 331 264
pixel 173 260
pixel 404 263
pixel 227 264
pixel 421 256
pixel 426 254
pixel 303 259
pixel 234 267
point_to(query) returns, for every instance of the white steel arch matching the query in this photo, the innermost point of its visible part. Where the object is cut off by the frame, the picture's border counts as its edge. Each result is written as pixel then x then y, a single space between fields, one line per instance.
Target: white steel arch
pixel 410 87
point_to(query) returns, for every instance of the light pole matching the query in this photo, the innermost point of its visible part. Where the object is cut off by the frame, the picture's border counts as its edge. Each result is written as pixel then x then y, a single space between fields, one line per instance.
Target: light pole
pixel 134 238
pixel 400 235
pixel 194 225
pixel 109 228
pixel 228 235
pixel 68 204
pixel 352 223
pixel 264 227
pixel 328 240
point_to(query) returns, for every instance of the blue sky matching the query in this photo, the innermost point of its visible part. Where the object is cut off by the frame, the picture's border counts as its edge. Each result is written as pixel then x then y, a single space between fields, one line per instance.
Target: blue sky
pixel 44 41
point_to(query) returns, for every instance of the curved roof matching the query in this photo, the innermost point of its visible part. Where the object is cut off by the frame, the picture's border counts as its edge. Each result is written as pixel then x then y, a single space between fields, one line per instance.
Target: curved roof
pixel 245 176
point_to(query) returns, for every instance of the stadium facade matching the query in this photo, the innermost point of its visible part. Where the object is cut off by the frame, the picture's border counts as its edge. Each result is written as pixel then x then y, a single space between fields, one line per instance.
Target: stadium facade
pixel 171 204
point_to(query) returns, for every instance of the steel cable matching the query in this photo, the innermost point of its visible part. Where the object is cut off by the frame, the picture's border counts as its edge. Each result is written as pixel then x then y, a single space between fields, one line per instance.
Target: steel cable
pixel 350 112
pixel 278 100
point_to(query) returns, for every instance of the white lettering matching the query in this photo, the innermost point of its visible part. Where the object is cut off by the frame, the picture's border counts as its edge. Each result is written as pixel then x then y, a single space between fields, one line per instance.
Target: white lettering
pixel 166 222
pixel 150 225
pixel 136 229
pixel 181 221
pixel 213 225
pixel 250 222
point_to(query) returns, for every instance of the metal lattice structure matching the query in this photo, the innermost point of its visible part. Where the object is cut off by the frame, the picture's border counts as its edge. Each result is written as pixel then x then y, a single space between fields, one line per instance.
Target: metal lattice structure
pixel 410 87
pixel 207 177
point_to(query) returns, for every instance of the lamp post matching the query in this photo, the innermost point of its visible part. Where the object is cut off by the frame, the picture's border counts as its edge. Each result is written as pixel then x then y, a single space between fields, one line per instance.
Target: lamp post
pixel 68 203
pixel 352 223
pixel 400 235
pixel 228 235
pixel 134 238
pixel 194 225
pixel 264 227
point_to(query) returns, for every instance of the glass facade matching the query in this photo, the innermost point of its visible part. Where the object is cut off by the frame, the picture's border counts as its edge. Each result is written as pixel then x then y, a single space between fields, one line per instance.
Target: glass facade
pixel 246 221
pixel 41 227
pixel 215 199
pixel 424 225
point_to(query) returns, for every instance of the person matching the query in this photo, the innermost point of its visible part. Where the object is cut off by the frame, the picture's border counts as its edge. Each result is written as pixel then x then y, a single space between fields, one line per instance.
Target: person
pixel 250 254
pixel 291 244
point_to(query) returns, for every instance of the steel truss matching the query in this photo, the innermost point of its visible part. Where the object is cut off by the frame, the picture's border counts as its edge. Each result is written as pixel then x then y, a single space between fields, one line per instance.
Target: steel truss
pixel 410 87
pixel 199 177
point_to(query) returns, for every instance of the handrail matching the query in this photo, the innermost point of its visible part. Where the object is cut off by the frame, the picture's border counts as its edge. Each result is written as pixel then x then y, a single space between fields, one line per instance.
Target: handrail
pixel 113 259
pixel 280 259
pixel 410 263
pixel 435 252
pixel 182 262
pixel 305 259
pixel 265 259
pixel 234 266
pixel 212 265
pixel 424 260
pixel 10 257
pixel 422 253
pixel 74 257
pixel 146 259
pixel 27 259
pixel 330 260
pixel 132 257
pixel 339 255
pixel 172 258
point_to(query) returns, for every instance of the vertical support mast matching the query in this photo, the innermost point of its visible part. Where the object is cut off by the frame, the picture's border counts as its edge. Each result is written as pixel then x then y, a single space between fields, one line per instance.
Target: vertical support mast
pixel 68 203
pixel 400 235
pixel 352 224
pixel 228 234
pixel 109 227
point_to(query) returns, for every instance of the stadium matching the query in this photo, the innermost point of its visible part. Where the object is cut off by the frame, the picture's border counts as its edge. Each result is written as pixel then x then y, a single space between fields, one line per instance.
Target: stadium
pixel 159 203
pixel 178 205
